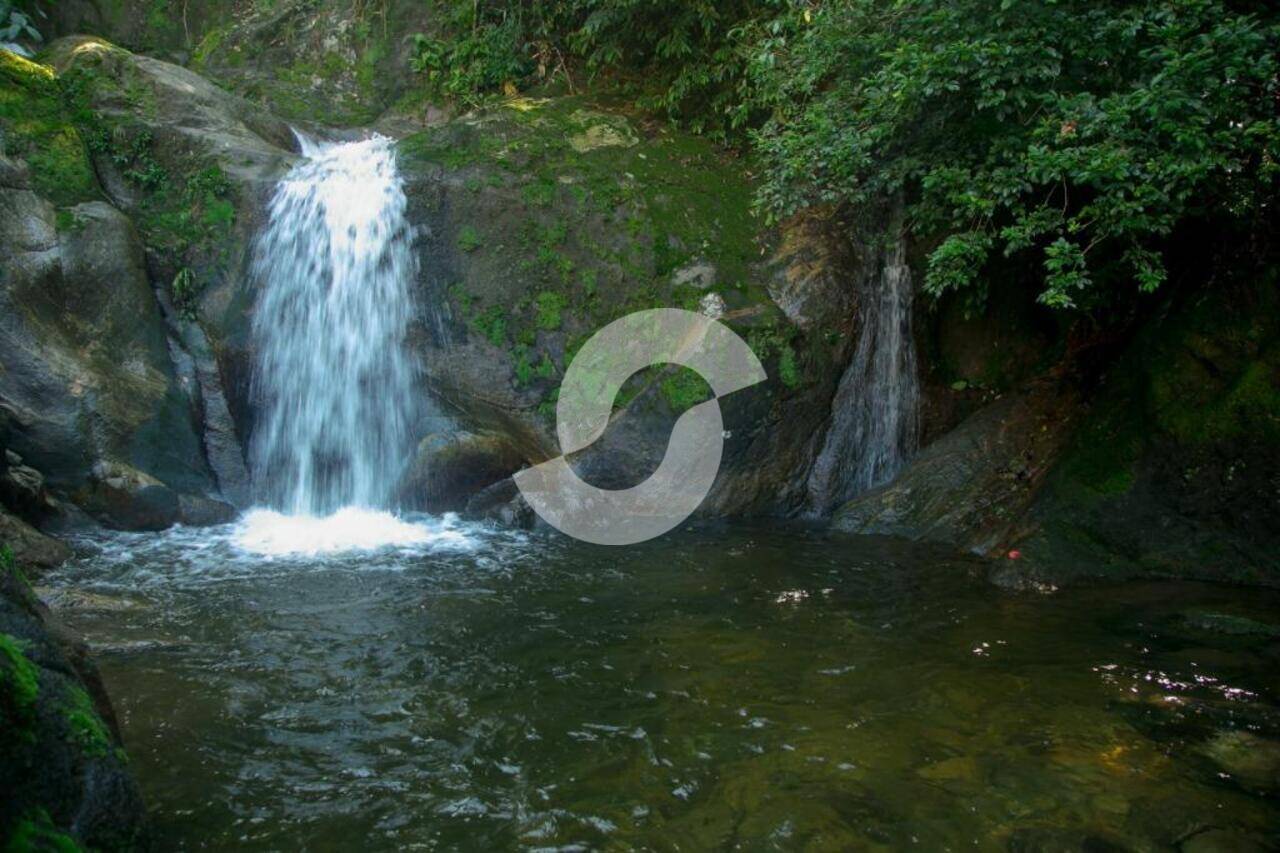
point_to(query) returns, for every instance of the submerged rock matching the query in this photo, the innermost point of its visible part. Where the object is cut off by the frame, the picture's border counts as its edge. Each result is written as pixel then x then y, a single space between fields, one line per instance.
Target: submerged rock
pixel 1227 623
pixel 502 504
pixel 1252 759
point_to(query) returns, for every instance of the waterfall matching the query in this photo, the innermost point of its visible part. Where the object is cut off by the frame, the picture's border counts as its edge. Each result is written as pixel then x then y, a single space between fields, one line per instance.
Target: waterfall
pixel 333 378
pixel 874 417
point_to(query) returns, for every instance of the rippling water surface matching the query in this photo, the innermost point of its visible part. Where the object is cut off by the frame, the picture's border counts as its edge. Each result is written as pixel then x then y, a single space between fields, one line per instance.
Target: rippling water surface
pixel 718 688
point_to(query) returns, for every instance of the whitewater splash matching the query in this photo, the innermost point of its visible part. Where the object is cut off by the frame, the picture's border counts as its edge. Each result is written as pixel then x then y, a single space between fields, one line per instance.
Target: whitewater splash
pixel 334 379
pixel 270 533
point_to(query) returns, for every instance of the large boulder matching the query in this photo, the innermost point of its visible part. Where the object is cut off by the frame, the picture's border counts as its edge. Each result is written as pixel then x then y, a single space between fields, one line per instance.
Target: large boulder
pixel 95 372
pixel 195 167
pixel 972 487
pixel 1175 470
pixel 86 371
pixel 28 547
pixel 542 220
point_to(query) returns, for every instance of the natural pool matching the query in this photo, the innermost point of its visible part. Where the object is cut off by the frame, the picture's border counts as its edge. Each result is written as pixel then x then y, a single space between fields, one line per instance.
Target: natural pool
pixel 724 687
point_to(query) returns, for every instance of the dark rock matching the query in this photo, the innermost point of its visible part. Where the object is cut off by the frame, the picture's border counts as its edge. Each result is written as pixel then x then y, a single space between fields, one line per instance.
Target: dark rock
pixel 501 503
pixel 449 468
pixel 195 511
pixel 1175 468
pixel 30 547
pixel 971 487
pixel 22 488
pixel 128 499
pixel 64 778
pixel 1227 623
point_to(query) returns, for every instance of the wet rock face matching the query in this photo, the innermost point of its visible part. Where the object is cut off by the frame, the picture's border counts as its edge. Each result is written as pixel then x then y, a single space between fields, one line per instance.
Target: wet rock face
pixel 1167 468
pixel 87 369
pixel 540 222
pixel 971 487
pixel 1175 467
pixel 105 360
pixel 64 777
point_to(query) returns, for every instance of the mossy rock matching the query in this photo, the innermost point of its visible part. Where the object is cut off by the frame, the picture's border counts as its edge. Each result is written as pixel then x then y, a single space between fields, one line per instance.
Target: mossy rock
pixel 35 126
pixel 65 775
pixel 336 63
pixel 544 219
pixel 1173 469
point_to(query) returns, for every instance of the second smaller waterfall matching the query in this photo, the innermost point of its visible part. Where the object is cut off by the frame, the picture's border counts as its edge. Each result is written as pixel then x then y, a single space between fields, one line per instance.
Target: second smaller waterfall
pixel 874 416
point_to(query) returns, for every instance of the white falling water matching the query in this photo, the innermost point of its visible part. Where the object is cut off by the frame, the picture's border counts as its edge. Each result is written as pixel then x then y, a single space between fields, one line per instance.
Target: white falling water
pixel 875 414
pixel 334 378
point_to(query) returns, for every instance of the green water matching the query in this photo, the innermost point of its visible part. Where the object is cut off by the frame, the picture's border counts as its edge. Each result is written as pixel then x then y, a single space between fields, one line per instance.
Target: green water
pixel 731 688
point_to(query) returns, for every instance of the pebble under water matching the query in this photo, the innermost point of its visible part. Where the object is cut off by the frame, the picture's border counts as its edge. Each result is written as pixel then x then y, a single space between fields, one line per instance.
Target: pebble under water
pixel 727 687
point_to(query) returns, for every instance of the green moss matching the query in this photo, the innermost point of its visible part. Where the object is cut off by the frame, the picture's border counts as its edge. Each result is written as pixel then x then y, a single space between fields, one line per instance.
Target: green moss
pixel 209 47
pixel 492 325
pixel 539 193
pixel 1104 454
pixel 19 687
pixel 788 370
pixel 550 306
pixel 35 125
pixel 1198 410
pixel 469 238
pixel 588 182
pixel 84 727
pixel 684 389
pixel 36 832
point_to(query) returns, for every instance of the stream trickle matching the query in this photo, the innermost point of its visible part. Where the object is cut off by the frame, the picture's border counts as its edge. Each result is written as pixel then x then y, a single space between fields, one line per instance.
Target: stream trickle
pixel 874 416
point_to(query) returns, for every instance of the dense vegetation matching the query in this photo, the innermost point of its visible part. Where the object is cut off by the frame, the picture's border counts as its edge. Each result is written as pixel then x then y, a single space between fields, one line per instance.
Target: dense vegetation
pixel 1081 135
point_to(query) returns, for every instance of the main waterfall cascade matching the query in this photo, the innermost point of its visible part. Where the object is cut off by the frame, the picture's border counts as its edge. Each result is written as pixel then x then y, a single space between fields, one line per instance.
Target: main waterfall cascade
pixel 874 424
pixel 334 379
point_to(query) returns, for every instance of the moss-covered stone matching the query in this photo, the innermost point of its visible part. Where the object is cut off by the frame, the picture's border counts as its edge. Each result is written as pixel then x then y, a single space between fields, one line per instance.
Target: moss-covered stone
pixel 1172 471
pixel 35 831
pixel 63 772
pixel 19 686
pixel 607 214
pixel 84 726
pixel 35 125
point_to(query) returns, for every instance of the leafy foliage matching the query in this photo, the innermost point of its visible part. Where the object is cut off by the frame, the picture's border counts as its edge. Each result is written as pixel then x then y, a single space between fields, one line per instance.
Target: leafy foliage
pixel 17 26
pixel 1082 132
pixel 1076 134
pixel 683 54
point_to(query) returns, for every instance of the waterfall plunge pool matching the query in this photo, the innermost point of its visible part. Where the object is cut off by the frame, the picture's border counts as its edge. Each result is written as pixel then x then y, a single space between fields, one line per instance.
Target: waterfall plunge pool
pixel 722 686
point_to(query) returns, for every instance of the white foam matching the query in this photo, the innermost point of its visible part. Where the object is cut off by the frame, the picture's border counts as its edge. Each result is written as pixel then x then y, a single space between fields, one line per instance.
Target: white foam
pixel 270 533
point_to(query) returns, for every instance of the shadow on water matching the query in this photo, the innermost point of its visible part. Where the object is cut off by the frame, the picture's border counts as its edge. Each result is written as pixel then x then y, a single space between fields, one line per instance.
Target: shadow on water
pixel 752 686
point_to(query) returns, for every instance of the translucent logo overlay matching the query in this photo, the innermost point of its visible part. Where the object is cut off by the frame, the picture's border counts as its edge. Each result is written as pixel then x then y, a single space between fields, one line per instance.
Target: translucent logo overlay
pixel 687 471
